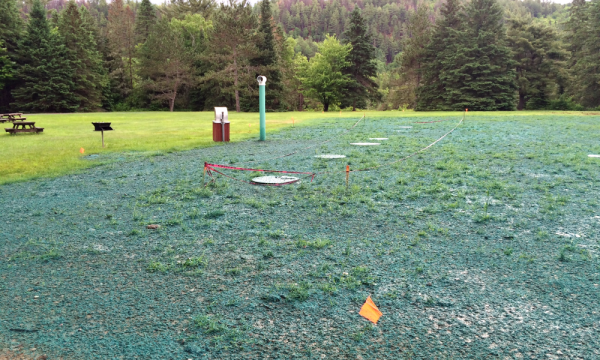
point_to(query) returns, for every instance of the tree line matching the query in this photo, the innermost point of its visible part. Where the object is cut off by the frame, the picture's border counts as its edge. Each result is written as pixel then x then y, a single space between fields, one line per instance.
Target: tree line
pixel 474 57
pixel 64 56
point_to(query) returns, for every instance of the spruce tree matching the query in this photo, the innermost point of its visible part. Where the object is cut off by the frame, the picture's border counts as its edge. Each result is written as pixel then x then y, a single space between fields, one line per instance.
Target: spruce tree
pixel 583 29
pixel 590 96
pixel 46 72
pixel 267 60
pixel 539 59
pixel 146 18
pixel 410 62
pixel 6 66
pixel 440 58
pixel 362 67
pixel 11 29
pixel 229 54
pixel 82 54
pixel 483 75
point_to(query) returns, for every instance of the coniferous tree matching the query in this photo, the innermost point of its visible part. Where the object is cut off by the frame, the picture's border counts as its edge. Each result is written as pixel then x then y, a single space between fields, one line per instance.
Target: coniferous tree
pixel 590 95
pixel 6 66
pixel 362 67
pixel 230 51
pixel 46 72
pixel 82 54
pixel 483 75
pixel 167 57
pixel 121 39
pixel 11 27
pixel 583 31
pixel 439 58
pixel 539 59
pixel 267 59
pixel 404 86
pixel 146 18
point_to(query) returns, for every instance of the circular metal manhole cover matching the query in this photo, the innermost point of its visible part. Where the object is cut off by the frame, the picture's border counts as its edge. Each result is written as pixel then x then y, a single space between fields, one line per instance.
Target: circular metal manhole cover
pixel 330 156
pixel 274 179
pixel 365 144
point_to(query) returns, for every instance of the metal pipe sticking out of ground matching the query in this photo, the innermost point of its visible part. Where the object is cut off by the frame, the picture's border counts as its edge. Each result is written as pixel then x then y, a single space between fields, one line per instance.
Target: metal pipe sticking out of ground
pixel 262 80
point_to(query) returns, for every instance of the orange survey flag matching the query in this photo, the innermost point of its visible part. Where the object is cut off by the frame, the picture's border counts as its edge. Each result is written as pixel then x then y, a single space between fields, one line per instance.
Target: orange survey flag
pixel 81 150
pixel 370 311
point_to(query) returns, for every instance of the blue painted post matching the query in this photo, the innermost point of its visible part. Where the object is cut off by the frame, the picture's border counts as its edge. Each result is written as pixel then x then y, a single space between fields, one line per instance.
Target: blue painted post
pixel 262 80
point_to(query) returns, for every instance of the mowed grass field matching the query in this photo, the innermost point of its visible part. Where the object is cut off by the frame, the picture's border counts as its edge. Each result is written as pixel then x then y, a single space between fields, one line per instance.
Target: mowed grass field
pixel 485 246
pixel 56 151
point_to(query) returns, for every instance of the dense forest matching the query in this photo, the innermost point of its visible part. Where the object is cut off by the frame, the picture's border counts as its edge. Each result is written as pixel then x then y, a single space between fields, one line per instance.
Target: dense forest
pixel 67 56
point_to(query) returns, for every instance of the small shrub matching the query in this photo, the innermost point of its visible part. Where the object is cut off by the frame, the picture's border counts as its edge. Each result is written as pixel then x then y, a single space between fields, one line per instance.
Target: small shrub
pixel 233 271
pixel 214 214
pixel 156 266
pixel 194 213
pixel 209 325
pixel 52 254
pixel 193 262
pixel 299 292
pixel 134 232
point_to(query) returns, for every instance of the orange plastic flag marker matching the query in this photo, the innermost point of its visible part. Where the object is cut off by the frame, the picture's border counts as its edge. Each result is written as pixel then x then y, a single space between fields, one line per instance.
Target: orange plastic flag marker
pixel 370 311
pixel 466 110
pixel 82 150
pixel 347 174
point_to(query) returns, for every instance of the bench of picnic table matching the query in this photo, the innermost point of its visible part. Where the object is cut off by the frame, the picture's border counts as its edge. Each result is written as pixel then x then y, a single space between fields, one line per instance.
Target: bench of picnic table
pixel 11 117
pixel 34 130
pixel 23 127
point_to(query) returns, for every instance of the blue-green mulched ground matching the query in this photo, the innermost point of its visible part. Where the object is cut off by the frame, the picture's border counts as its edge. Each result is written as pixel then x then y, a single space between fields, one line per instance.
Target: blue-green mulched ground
pixel 485 246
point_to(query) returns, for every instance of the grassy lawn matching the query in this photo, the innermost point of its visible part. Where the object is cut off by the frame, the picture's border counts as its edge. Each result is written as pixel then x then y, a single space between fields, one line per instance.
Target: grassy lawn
pixel 484 246
pixel 56 151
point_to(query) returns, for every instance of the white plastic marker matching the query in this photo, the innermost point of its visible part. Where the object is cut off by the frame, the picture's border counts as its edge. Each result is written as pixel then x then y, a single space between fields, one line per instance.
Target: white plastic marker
pixel 330 156
pixel 274 179
pixel 378 138
pixel 594 156
pixel 365 144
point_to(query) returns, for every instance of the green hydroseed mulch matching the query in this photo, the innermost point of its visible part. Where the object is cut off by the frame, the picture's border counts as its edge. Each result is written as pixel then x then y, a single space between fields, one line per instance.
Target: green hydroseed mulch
pixel 485 246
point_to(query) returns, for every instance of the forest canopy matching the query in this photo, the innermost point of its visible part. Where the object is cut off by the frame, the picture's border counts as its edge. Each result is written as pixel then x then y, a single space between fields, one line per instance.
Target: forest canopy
pixel 68 56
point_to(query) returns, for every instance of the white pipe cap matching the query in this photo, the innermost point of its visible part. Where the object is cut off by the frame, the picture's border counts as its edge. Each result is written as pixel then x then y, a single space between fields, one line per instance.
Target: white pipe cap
pixel 262 80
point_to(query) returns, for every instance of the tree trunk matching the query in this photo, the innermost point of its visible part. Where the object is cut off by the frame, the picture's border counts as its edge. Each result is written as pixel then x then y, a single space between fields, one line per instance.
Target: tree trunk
pixel 235 82
pixel 172 101
pixel 301 107
pixel 354 105
pixel 521 104
pixel 325 107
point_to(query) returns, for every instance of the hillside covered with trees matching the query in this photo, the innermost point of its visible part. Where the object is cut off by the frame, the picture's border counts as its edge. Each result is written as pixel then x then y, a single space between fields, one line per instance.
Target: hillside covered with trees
pixel 65 56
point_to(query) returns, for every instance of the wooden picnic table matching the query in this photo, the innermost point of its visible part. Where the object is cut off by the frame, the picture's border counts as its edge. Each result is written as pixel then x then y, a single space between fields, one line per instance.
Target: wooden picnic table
pixel 12 117
pixel 24 126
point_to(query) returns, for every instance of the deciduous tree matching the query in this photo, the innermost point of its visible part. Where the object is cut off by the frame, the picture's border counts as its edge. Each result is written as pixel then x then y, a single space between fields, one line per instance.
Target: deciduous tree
pixel 325 79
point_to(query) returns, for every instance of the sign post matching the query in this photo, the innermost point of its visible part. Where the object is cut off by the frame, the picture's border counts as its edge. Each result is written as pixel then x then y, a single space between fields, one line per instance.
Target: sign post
pixel 262 80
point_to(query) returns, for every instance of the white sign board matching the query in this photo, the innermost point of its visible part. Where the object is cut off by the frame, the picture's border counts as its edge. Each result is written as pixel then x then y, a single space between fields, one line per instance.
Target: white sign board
pixel 221 115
